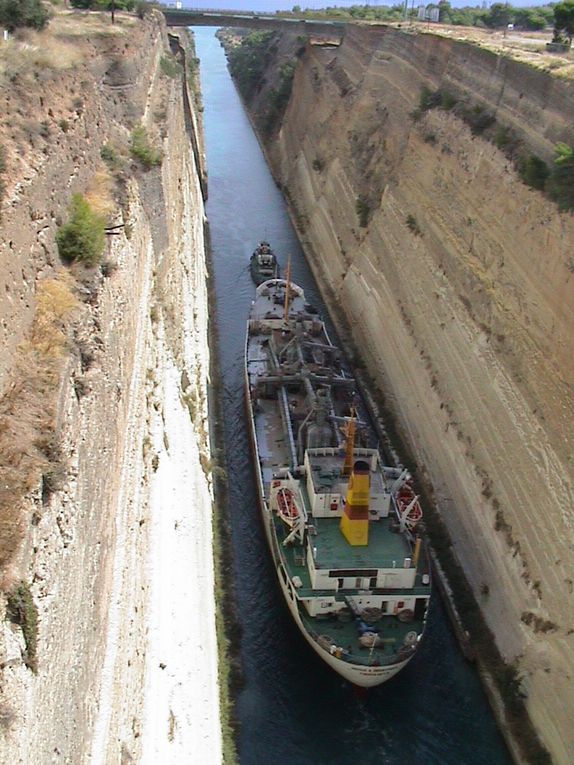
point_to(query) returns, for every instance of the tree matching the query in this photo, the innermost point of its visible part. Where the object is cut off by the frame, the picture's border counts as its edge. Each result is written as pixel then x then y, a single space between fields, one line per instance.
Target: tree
pixel 529 18
pixel 564 21
pixel 23 13
pixel 83 238
pixel 498 16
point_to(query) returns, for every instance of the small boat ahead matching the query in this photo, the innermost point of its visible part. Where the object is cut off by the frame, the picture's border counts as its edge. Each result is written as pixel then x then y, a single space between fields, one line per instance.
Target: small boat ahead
pixel 343 528
pixel 263 264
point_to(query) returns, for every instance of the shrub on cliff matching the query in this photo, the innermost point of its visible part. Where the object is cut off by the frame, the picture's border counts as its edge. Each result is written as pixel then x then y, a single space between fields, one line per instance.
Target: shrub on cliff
pixel 83 237
pixel 564 21
pixel 142 150
pixel 23 13
pixel 248 60
pixel 534 171
pixel 22 610
pixel 363 209
pixel 279 97
pixel 560 185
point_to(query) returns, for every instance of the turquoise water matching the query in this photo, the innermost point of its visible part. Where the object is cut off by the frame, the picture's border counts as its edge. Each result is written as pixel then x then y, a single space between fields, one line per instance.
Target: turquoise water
pixel 292 709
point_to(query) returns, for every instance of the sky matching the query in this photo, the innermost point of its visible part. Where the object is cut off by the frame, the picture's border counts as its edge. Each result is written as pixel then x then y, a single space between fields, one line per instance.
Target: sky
pixel 286 5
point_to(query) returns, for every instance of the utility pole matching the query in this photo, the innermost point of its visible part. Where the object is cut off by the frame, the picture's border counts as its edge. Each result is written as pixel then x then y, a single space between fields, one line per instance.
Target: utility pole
pixel 113 10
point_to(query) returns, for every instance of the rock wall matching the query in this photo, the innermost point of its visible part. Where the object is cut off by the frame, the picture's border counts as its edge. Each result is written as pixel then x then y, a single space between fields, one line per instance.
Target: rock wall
pixel 458 290
pixel 85 546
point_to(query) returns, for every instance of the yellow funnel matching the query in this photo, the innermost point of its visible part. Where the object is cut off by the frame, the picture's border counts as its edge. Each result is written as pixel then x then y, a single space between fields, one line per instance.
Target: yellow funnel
pixel 355 518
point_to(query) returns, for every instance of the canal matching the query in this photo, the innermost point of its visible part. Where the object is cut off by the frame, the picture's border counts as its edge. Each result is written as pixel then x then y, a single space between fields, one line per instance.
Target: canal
pixel 292 709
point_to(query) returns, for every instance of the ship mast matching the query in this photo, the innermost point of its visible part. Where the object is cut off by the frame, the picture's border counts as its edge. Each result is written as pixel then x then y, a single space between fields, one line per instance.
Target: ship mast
pixel 350 431
pixel 287 286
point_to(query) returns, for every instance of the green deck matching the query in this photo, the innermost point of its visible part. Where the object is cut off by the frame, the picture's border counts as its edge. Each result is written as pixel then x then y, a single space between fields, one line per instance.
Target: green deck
pixel 386 549
pixel 343 633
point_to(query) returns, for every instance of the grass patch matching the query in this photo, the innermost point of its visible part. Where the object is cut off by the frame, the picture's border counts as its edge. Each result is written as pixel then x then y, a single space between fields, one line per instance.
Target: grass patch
pixel 22 611
pixel 142 150
pixel 29 453
pixel 100 193
pixel 83 237
pixel 170 67
pixel 33 52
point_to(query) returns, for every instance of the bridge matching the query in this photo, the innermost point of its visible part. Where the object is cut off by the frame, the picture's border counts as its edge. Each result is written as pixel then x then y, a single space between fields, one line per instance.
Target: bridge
pixel 189 17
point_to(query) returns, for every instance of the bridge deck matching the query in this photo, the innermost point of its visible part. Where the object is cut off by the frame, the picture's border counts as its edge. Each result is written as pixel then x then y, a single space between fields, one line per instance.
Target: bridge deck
pixel 238 19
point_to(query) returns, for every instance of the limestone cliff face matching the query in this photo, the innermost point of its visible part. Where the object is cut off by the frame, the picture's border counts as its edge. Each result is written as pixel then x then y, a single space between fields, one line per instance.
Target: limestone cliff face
pixel 458 291
pixel 83 546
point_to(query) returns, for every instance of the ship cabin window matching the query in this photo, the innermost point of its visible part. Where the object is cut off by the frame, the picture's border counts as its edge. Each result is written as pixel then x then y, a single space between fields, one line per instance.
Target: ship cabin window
pixel 352 572
pixel 358 583
pixel 340 583
pixel 373 582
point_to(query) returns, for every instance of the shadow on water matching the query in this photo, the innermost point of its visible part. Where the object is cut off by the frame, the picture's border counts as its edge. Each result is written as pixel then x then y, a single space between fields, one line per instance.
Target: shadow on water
pixel 292 709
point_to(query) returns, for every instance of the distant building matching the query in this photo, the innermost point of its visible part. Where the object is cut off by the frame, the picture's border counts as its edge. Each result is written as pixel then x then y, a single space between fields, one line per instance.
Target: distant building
pixel 428 13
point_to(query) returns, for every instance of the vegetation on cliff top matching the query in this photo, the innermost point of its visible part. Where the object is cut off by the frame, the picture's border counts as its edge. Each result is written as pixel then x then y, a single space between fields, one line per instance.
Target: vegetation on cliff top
pixel 23 13
pixel 499 15
pixel 564 21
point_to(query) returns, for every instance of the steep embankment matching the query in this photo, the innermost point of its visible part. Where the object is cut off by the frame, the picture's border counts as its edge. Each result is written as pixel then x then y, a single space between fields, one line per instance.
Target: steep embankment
pixel 456 280
pixel 106 503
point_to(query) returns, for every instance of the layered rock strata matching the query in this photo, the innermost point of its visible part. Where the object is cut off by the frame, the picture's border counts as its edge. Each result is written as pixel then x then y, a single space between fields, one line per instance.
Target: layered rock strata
pixel 134 380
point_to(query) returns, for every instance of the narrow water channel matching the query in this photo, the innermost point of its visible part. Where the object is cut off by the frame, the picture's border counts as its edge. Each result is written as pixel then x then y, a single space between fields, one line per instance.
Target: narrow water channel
pixel 292 709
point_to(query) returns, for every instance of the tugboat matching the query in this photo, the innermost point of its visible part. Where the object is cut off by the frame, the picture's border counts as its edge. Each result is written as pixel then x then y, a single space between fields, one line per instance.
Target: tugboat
pixel 263 263
pixel 342 528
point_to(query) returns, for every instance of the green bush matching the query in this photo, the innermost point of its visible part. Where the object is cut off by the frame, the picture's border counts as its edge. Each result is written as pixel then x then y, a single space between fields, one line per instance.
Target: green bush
pixel 169 66
pixel 428 99
pixel 248 61
pixel 108 154
pixel 534 171
pixel 83 238
pixel 561 182
pixel 447 100
pixel 411 222
pixel 142 150
pixel 22 611
pixel 477 118
pixel 363 211
pixel 23 13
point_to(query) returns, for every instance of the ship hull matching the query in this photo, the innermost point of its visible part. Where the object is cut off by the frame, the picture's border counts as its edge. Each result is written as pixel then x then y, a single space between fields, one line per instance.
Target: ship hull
pixel 357 674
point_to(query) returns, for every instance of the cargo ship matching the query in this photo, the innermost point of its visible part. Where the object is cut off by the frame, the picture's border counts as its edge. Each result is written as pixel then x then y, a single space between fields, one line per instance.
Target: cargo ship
pixel 342 527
